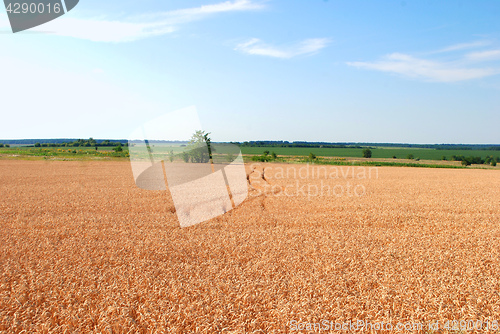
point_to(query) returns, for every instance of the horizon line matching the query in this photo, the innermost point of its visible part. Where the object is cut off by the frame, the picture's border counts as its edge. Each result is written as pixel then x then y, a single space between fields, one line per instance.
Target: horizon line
pixel 252 141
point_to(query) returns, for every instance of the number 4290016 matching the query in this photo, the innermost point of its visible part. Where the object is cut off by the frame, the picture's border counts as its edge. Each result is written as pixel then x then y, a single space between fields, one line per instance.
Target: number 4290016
pixel 33 8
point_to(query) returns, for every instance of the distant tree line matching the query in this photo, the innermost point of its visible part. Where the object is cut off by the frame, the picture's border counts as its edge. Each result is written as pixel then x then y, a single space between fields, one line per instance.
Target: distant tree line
pixel 467 161
pixel 83 143
pixel 4 145
pixel 275 143
pixel 293 144
pixel 27 142
pixel 467 147
pixel 282 143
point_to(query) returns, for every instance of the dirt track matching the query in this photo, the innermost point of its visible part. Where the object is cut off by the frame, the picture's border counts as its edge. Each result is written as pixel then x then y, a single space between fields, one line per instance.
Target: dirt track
pixel 82 249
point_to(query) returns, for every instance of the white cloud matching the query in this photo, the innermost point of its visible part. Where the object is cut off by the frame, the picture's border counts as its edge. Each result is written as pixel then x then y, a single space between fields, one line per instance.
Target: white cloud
pixel 192 14
pixel 136 27
pixel 483 55
pixel 97 30
pixel 256 47
pixel 463 46
pixel 464 67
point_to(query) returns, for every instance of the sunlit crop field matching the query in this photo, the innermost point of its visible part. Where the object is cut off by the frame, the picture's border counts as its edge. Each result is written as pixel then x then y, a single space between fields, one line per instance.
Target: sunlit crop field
pixel 82 249
pixel 378 153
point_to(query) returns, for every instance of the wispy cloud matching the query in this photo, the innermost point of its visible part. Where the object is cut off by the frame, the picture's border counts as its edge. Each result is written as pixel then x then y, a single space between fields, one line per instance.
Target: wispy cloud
pixel 132 28
pixel 483 55
pixel 306 47
pixel 462 46
pixel 462 68
pixel 192 14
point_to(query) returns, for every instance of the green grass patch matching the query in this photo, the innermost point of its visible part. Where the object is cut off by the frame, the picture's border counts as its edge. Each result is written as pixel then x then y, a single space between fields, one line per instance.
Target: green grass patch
pixel 371 163
pixel 73 153
pixel 377 153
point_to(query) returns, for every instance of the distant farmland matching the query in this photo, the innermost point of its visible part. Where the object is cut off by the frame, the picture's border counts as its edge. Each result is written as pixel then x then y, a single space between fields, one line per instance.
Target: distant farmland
pixel 377 153
pixel 382 154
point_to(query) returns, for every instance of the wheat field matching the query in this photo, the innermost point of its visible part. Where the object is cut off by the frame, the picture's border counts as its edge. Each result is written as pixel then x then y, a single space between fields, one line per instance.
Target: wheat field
pixel 83 250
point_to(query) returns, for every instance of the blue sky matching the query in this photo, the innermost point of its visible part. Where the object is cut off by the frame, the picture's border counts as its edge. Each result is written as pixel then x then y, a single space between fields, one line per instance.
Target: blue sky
pixel 363 71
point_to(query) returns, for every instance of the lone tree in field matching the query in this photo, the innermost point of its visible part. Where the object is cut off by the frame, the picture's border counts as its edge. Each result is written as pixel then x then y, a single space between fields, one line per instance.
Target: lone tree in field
pixel 118 148
pixel 367 153
pixel 199 147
